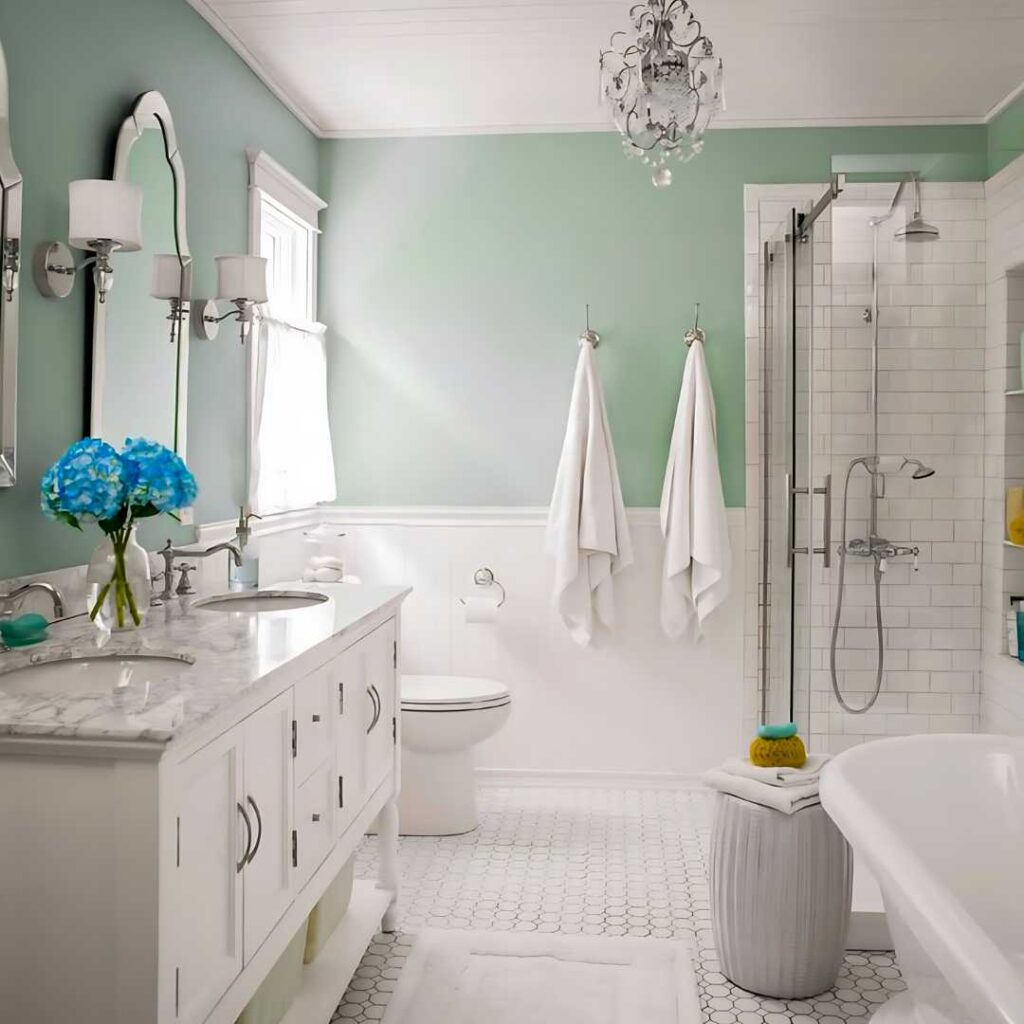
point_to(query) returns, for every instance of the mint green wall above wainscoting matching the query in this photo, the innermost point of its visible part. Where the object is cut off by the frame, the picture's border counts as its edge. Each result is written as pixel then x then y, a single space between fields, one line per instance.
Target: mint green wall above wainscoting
pixel 1006 135
pixel 75 69
pixel 454 274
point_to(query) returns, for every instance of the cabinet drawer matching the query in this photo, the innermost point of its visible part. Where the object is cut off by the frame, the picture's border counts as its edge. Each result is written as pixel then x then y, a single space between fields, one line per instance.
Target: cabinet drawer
pixel 314 827
pixel 312 724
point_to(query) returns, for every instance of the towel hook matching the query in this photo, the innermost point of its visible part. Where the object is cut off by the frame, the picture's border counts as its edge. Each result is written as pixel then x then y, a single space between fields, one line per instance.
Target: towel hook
pixel 695 333
pixel 588 335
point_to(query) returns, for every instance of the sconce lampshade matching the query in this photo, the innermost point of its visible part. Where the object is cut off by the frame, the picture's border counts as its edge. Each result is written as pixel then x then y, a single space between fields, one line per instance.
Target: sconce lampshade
pixel 242 277
pixel 171 280
pixel 100 209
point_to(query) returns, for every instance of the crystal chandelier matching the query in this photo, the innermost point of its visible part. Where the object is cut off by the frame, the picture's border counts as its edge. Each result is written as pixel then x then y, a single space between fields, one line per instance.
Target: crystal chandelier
pixel 663 84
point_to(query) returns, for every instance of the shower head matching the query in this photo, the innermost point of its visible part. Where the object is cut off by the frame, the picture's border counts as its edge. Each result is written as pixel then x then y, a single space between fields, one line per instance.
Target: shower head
pixel 894 464
pixel 921 471
pixel 917 230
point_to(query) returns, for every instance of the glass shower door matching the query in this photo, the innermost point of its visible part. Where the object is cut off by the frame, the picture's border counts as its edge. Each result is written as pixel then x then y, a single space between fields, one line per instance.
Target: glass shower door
pixel 793 537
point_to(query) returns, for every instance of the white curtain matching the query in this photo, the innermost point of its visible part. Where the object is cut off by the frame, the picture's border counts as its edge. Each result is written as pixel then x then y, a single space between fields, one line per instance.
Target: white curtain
pixel 291 458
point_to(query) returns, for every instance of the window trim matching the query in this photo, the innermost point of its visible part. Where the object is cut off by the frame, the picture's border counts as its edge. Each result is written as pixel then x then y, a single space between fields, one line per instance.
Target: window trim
pixel 271 180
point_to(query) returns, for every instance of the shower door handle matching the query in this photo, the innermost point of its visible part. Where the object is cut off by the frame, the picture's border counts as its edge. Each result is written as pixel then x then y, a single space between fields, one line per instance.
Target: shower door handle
pixel 826 524
pixel 791 493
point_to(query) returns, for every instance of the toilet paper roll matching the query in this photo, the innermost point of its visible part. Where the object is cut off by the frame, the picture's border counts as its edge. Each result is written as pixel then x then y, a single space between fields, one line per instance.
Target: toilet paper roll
pixel 483 608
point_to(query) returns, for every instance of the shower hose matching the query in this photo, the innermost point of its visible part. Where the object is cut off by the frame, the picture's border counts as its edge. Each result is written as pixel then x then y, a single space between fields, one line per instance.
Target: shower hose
pixel 843 703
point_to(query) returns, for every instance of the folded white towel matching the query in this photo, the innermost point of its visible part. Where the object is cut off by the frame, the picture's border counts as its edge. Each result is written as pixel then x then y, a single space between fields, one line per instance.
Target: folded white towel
pixel 587 533
pixel 695 575
pixel 810 771
pixel 787 799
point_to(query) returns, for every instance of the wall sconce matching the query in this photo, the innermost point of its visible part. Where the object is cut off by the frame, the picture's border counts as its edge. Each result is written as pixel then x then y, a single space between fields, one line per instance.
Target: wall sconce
pixel 9 267
pixel 241 280
pixel 172 282
pixel 103 217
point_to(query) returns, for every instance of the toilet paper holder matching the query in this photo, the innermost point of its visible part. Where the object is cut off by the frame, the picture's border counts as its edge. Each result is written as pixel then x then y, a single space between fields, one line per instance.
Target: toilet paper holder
pixel 485 577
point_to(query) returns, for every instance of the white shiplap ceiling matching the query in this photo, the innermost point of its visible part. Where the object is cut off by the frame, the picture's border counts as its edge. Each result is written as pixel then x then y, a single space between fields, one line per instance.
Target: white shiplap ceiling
pixel 395 67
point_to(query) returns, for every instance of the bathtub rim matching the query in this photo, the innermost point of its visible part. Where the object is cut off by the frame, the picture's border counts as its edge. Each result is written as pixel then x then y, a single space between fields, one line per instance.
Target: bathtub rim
pixel 940 922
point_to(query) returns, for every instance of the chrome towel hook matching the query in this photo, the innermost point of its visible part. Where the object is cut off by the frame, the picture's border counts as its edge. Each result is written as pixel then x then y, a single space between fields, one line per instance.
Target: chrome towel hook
pixel 695 333
pixel 590 336
pixel 485 577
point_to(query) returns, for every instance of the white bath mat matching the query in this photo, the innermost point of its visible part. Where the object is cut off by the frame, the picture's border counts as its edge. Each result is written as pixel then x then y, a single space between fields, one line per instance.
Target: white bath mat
pixel 463 977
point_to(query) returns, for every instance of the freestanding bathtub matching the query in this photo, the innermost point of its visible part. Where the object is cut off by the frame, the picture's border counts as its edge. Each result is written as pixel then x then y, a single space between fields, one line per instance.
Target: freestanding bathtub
pixel 940 822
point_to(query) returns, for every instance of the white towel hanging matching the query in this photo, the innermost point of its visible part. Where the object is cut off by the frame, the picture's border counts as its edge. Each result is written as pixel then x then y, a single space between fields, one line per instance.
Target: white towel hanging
pixel 695 576
pixel 587 533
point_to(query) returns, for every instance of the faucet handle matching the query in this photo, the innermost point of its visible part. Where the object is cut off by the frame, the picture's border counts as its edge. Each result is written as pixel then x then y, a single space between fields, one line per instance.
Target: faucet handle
pixel 184 583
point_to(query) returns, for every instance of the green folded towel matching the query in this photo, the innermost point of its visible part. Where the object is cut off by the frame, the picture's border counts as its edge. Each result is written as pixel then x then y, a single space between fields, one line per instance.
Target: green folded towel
pixel 24 631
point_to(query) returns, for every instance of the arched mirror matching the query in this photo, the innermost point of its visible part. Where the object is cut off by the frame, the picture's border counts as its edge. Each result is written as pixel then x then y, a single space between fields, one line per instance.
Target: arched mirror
pixel 140 333
pixel 10 268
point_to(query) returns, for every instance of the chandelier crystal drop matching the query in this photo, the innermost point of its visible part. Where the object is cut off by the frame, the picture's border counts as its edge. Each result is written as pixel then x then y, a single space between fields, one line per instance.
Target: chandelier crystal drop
pixel 663 85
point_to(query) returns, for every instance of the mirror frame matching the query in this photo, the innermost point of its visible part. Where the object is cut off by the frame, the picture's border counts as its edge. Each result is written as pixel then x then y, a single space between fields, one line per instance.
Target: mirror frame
pixel 11 185
pixel 150 111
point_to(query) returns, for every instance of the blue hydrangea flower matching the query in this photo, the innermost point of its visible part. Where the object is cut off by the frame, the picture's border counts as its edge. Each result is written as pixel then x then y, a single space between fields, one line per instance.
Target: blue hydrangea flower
pixel 86 482
pixel 156 478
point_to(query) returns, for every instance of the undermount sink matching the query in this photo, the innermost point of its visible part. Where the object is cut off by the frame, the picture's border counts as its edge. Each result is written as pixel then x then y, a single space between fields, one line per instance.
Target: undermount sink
pixel 261 601
pixel 95 674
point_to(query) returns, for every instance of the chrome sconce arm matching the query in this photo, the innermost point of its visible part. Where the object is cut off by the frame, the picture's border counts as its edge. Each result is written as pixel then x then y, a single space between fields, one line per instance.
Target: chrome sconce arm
pixel 207 318
pixel 55 270
pixel 10 267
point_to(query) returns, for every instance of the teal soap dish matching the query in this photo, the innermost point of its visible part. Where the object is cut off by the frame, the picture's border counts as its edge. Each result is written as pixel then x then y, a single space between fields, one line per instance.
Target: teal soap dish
pixel 781 731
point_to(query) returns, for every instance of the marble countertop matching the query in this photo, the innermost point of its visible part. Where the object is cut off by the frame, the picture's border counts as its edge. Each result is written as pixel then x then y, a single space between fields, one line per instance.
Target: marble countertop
pixel 224 656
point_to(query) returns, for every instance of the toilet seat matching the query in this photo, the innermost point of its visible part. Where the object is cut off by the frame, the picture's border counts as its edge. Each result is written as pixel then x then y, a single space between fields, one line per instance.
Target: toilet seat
pixel 440 694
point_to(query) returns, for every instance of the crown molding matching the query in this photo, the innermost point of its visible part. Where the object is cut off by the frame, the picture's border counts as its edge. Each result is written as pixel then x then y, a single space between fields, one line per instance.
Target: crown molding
pixel 1010 97
pixel 214 20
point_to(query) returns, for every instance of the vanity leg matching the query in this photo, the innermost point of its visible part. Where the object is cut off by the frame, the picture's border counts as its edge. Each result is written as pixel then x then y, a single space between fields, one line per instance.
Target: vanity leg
pixel 387 824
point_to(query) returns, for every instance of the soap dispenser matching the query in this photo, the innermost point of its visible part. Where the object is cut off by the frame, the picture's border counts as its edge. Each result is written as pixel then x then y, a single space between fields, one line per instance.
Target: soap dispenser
pixel 247 575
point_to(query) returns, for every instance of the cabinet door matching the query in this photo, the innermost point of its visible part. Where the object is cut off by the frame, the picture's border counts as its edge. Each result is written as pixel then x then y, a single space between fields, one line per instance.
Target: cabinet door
pixel 347 675
pixel 206 934
pixel 381 658
pixel 312 723
pixel 314 826
pixel 268 779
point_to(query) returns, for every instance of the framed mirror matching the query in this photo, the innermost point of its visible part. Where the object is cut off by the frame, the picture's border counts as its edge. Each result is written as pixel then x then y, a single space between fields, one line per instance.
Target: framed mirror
pixel 140 332
pixel 10 268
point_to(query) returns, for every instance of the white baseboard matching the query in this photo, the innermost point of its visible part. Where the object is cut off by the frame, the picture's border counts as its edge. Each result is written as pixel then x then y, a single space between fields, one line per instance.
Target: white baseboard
pixel 585 779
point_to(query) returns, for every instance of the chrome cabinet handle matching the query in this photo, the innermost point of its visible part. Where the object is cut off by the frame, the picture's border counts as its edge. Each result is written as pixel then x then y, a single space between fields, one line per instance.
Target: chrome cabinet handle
pixel 248 839
pixel 259 825
pixel 375 697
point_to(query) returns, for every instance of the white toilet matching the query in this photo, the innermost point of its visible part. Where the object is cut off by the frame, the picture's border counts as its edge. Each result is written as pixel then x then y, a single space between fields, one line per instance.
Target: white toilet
pixel 443 718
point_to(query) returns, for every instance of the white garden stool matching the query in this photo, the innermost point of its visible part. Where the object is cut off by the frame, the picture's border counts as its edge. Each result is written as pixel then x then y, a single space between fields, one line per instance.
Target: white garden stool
pixel 780 897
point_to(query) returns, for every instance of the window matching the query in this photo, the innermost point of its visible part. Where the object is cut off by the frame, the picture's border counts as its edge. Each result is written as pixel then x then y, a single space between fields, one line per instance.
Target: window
pixel 291 461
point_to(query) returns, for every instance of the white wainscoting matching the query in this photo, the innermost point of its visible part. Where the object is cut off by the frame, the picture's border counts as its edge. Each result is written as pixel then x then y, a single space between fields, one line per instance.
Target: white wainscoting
pixel 633 703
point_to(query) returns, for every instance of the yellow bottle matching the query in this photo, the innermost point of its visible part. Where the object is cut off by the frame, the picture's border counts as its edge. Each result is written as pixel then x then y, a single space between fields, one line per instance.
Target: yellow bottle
pixel 1015 514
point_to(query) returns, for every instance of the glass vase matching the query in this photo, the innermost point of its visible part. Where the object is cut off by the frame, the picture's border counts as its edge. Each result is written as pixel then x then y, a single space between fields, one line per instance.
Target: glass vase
pixel 119 582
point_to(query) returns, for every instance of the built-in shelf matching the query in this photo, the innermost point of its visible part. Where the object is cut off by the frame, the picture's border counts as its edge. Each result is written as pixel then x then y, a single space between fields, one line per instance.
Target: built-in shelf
pixel 1010 544
pixel 1016 391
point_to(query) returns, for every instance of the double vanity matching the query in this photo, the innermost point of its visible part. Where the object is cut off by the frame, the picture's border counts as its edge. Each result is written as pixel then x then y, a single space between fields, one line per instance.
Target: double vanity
pixel 175 801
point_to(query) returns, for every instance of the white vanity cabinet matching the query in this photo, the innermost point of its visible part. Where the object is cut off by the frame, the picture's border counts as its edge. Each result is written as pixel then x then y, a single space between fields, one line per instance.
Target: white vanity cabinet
pixel 197 863
pixel 381 661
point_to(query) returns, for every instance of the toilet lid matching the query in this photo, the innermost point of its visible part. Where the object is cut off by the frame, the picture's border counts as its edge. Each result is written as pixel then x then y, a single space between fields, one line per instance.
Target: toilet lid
pixel 452 692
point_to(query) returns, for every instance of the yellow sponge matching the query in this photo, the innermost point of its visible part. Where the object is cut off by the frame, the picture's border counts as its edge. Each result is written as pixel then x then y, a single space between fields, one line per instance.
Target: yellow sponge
pixel 785 753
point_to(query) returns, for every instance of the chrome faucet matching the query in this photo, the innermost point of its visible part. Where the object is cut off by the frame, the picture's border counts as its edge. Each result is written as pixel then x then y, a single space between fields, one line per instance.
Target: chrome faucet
pixel 53 592
pixel 169 553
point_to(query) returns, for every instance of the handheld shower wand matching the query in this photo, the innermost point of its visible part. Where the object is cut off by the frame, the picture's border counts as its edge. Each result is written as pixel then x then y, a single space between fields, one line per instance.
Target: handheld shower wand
pixel 880 551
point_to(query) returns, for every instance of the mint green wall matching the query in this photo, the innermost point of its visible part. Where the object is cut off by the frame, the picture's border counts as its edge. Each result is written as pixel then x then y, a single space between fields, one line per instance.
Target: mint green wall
pixel 453 278
pixel 1006 136
pixel 75 69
